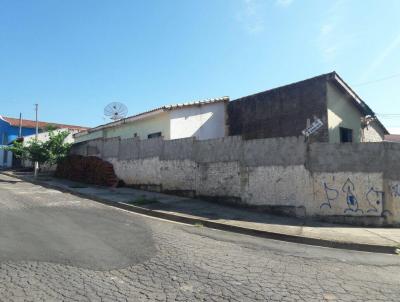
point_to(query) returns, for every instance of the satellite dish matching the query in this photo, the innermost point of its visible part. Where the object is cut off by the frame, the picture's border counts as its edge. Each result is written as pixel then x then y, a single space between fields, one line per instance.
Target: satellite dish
pixel 115 111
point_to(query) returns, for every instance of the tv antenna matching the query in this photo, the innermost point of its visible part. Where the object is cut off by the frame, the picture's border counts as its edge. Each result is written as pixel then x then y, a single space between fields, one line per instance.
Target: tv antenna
pixel 115 111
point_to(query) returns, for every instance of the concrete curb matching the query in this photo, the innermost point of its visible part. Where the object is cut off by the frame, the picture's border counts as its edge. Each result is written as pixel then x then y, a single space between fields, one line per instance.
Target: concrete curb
pixel 222 226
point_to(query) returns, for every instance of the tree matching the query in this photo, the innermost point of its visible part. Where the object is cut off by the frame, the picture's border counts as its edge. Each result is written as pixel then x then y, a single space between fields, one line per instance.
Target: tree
pixel 50 127
pixel 17 149
pixel 50 151
pixel 55 146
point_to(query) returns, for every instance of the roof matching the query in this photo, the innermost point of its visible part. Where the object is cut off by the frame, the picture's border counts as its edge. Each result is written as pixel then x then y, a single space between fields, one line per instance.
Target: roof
pixel 156 111
pixel 32 124
pixel 341 84
pixel 392 138
pixel 357 101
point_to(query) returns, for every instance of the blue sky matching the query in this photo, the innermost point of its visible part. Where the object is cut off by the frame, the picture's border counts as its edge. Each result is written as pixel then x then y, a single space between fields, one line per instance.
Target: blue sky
pixel 73 57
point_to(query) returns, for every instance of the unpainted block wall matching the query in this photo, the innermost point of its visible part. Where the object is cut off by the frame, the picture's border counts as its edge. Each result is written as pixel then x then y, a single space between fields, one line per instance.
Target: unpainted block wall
pixel 357 183
pixel 280 112
pixel 373 133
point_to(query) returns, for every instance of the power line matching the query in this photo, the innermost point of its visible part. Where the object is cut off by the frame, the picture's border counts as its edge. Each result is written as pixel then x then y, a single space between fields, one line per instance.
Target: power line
pixel 378 80
pixel 388 114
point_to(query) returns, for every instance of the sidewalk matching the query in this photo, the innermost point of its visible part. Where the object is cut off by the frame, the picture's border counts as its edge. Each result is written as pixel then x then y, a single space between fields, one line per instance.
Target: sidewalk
pixel 208 214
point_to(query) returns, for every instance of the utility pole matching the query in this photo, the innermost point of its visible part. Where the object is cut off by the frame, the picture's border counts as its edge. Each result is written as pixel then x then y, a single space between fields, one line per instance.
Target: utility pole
pixel 36 138
pixel 20 125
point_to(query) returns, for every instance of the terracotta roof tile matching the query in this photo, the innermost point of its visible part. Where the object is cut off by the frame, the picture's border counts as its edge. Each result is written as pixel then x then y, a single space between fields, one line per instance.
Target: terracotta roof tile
pixel 32 124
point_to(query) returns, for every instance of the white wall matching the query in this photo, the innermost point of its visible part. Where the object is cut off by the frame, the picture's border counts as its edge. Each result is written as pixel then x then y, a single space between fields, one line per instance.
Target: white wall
pixel 203 121
pixel 44 136
pixel 142 127
pixel 86 136
pixel 342 113
pixel 373 133
pixel 284 174
pixel 7 164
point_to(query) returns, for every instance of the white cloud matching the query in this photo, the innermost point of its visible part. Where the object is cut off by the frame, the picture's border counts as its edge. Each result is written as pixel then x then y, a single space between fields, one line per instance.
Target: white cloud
pixel 329 52
pixel 380 59
pixel 326 29
pixel 284 3
pixel 328 42
pixel 394 130
pixel 251 16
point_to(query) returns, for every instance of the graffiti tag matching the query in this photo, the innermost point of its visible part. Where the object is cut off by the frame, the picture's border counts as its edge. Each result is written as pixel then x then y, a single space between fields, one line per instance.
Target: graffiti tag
pixel 331 195
pixel 395 189
pixel 374 198
pixel 351 198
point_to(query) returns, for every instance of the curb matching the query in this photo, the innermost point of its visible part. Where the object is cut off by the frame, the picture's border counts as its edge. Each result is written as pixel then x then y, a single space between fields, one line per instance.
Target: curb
pixel 385 249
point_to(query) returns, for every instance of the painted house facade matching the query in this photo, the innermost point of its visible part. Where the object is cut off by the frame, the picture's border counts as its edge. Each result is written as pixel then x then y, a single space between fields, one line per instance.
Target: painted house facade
pixel 286 111
pixel 203 119
pixel 9 131
pixel 43 137
pixel 393 138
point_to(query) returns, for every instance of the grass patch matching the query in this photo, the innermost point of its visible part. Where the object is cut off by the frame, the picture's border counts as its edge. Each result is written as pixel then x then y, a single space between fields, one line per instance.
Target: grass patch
pixel 45 178
pixel 77 186
pixel 144 200
pixel 198 224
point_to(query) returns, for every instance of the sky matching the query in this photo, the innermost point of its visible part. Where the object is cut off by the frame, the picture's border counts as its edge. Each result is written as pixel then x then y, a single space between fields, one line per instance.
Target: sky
pixel 74 57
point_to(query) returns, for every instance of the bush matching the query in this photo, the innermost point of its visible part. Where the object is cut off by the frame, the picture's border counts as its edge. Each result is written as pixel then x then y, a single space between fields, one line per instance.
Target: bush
pixel 49 152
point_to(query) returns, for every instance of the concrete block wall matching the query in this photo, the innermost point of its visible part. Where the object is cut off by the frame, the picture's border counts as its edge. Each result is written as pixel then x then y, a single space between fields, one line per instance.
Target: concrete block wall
pixel 282 111
pixel 373 133
pixel 356 183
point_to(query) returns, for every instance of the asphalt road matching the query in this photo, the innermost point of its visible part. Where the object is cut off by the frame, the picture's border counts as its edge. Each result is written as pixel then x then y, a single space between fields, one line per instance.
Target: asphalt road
pixel 58 247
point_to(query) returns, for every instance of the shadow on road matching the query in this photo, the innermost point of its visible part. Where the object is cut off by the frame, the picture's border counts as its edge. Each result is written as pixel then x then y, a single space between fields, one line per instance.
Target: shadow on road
pixel 9 181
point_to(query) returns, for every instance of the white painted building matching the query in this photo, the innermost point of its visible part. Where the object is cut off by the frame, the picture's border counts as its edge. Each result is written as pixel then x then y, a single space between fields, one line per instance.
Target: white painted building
pixel 44 136
pixel 203 120
pixel 5 158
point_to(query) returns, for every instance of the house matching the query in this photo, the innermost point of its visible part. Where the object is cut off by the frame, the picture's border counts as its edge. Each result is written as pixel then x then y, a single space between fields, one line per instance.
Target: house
pixel 393 138
pixel 10 131
pixel 42 137
pixel 202 119
pixel 287 110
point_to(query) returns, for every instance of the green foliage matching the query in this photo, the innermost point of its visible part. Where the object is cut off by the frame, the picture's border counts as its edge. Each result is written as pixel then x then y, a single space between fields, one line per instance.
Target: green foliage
pixel 18 149
pixel 198 224
pixel 36 152
pixel 144 200
pixel 55 146
pixel 77 186
pixel 50 151
pixel 50 127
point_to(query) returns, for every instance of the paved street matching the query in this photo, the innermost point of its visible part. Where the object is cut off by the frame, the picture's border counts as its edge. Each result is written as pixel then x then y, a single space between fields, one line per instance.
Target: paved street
pixel 58 247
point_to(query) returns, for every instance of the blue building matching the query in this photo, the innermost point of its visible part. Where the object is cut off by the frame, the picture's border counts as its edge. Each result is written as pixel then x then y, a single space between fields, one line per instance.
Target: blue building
pixel 9 131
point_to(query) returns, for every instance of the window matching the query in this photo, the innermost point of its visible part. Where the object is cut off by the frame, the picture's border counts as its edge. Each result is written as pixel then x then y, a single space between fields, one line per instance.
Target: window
pixel 346 135
pixel 153 135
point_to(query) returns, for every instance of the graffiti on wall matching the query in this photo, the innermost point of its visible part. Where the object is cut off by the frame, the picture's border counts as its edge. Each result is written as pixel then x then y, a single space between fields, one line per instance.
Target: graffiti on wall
pixel 351 199
pixel 395 190
pixel 331 196
pixel 372 199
